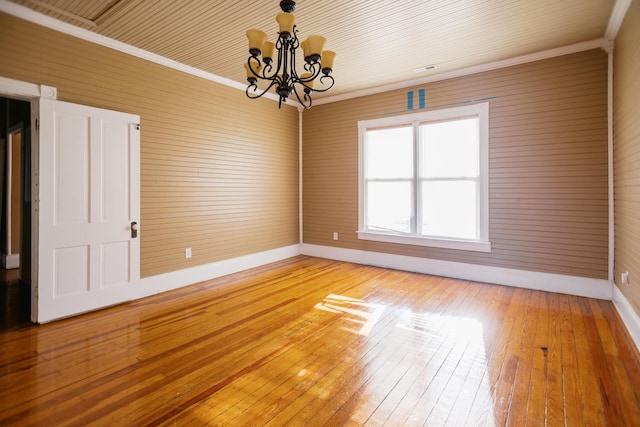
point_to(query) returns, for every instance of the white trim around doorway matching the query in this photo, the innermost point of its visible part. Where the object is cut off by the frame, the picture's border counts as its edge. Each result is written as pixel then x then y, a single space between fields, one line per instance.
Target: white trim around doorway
pixel 31 92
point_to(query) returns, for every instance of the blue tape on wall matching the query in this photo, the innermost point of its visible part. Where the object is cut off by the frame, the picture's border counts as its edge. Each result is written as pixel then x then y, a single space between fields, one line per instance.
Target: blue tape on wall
pixel 410 100
pixel 421 100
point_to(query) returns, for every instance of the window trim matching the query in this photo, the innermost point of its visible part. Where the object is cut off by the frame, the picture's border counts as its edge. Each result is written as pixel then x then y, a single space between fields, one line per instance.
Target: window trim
pixel 482 244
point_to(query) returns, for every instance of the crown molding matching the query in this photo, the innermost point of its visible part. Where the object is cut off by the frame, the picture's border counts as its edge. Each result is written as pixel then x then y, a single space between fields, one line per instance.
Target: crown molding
pixel 546 54
pixel 65 28
pixel 617 16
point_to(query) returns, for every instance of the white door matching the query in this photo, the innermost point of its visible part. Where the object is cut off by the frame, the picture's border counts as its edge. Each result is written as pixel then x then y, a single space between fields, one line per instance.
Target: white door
pixel 88 199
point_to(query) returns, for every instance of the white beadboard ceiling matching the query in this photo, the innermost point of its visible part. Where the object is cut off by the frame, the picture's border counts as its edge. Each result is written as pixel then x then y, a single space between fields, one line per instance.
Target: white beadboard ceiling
pixel 378 42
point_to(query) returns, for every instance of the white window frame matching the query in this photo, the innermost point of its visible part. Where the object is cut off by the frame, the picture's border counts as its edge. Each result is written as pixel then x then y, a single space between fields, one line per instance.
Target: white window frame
pixel 481 244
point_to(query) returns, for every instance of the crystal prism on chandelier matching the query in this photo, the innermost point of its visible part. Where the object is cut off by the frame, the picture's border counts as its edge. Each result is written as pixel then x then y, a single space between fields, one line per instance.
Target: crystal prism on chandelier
pixel 280 72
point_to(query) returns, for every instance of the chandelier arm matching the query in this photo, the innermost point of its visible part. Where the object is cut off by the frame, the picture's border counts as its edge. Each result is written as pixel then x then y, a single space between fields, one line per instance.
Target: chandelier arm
pixel 321 81
pixel 281 48
pixel 307 98
pixel 267 70
pixel 286 60
pixel 295 43
pixel 293 46
pixel 306 67
pixel 258 65
pixel 254 89
pixel 289 73
pixel 313 68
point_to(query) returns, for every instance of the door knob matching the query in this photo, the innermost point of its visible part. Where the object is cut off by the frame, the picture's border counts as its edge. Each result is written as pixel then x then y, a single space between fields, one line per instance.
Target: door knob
pixel 134 229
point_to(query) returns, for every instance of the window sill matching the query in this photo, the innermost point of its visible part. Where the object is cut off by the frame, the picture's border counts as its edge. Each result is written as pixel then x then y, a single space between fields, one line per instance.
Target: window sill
pixel 465 245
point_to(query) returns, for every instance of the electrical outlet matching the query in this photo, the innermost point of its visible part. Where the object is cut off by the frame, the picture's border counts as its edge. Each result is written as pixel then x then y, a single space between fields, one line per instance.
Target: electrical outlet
pixel 624 278
pixel 335 235
pixel 187 253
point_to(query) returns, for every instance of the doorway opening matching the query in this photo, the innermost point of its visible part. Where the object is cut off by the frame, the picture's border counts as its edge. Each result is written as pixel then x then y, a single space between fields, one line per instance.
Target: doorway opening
pixel 15 213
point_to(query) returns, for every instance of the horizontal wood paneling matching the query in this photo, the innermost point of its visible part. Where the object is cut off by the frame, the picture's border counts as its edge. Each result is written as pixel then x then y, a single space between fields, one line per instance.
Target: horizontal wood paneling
pixel 626 154
pixel 219 173
pixel 547 160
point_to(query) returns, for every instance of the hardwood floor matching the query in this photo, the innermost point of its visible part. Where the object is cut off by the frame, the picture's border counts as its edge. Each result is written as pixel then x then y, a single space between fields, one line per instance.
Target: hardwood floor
pixel 308 341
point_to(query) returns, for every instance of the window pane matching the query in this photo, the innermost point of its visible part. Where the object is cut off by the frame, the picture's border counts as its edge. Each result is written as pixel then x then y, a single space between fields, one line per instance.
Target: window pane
pixel 449 149
pixel 389 206
pixel 449 209
pixel 389 153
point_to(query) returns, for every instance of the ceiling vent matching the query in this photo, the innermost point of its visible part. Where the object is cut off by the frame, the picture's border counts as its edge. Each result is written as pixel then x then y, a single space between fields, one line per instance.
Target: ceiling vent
pixel 425 68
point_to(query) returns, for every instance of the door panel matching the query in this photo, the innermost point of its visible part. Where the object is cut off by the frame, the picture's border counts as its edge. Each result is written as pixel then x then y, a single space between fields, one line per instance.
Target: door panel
pixel 116 269
pixel 115 190
pixel 88 196
pixel 70 271
pixel 71 172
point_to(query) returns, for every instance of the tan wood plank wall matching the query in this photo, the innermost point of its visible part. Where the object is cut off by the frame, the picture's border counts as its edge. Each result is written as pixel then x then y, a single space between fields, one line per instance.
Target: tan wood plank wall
pixel 626 154
pixel 219 173
pixel 548 165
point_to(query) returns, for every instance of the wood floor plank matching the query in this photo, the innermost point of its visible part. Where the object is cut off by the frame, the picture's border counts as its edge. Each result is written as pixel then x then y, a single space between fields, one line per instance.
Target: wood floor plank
pixel 505 356
pixel 309 341
pixel 438 350
pixel 410 387
pixel 357 373
pixel 571 397
pixel 497 323
pixel 554 405
pixel 369 343
pixel 613 412
pixel 470 340
pixel 614 363
pixel 626 349
pixel 517 412
pixel 372 411
pixel 538 383
pixel 302 353
pixel 589 388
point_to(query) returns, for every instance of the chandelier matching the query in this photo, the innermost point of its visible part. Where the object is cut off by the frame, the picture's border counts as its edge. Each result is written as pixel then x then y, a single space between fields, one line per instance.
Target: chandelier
pixel 280 72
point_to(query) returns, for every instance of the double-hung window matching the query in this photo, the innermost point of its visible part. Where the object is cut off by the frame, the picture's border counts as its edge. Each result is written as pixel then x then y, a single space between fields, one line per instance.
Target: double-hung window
pixel 424 178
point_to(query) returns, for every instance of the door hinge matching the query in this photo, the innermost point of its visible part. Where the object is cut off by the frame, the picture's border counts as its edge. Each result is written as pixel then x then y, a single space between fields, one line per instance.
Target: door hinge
pixel 37 124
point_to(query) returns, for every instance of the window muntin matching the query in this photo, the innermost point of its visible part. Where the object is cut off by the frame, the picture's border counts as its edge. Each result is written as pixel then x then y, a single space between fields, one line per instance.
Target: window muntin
pixel 424 178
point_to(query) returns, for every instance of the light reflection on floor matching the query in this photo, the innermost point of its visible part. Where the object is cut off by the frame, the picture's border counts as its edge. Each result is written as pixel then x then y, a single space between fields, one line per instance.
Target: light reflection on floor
pixel 453 346
pixel 361 312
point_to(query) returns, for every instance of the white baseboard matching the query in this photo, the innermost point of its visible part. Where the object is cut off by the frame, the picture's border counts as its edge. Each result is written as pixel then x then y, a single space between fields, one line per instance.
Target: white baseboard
pixel 177 279
pixel 628 315
pixel 10 261
pixel 572 285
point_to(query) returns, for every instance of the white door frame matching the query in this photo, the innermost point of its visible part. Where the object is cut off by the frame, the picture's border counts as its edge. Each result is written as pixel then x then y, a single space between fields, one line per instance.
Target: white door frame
pixel 15 89
pixel 11 257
